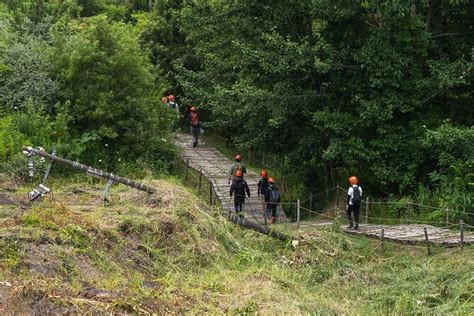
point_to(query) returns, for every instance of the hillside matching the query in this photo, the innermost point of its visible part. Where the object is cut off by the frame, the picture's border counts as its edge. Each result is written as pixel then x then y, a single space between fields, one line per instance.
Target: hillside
pixel 173 253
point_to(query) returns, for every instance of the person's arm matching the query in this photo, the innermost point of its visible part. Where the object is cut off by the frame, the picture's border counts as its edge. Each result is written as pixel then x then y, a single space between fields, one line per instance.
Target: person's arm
pixel 349 195
pixel 259 187
pixel 360 189
pixel 247 188
pixel 231 191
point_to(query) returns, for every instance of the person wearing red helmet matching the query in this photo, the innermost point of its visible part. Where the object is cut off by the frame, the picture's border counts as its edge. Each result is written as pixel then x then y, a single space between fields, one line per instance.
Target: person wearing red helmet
pixel 354 198
pixel 195 125
pixel 236 166
pixel 172 104
pixel 238 189
pixel 273 199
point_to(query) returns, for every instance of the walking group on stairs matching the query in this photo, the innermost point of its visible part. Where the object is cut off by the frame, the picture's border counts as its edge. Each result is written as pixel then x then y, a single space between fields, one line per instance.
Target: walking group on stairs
pixel 267 190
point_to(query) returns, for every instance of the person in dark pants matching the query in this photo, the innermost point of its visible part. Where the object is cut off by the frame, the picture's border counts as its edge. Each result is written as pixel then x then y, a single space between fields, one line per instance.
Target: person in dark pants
pixel 272 198
pixel 262 188
pixel 238 189
pixel 354 198
pixel 195 124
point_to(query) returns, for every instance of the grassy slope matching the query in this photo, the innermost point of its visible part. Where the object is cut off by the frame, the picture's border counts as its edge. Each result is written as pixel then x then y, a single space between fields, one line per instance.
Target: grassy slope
pixel 176 254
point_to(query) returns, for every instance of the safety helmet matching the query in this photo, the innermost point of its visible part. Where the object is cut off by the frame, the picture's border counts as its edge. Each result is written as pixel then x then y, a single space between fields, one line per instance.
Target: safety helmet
pixel 171 97
pixel 238 158
pixel 271 181
pixel 238 173
pixel 353 180
pixel 193 109
pixel 264 173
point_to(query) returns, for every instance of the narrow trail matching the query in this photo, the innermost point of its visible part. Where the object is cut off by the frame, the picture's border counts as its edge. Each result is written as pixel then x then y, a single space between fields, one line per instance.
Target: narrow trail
pixel 214 166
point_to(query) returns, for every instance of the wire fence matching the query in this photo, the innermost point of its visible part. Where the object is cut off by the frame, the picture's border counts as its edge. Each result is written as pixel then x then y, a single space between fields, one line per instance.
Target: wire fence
pixel 329 208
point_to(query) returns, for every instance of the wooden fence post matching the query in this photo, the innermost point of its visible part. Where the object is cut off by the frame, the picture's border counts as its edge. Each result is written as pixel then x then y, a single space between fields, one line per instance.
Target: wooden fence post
pixel 311 201
pixel 367 210
pixel 427 241
pixel 200 181
pixel 461 225
pixel 337 200
pixel 210 192
pixel 447 218
pixel 186 171
pixel 298 210
pixel 382 240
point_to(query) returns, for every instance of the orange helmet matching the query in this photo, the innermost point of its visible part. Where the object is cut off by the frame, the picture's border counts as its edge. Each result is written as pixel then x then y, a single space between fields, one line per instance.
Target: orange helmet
pixel 171 97
pixel 238 173
pixel 264 173
pixel 238 158
pixel 164 99
pixel 353 180
pixel 271 181
pixel 193 109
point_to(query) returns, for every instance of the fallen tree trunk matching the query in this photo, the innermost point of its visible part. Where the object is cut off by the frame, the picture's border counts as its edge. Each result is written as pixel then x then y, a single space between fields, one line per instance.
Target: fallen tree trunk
pixel 257 227
pixel 92 171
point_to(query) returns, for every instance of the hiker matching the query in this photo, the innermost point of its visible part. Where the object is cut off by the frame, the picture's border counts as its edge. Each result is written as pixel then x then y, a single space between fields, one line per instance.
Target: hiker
pixel 354 198
pixel 195 125
pixel 164 100
pixel 262 188
pixel 173 105
pixel 238 188
pixel 272 198
pixel 236 166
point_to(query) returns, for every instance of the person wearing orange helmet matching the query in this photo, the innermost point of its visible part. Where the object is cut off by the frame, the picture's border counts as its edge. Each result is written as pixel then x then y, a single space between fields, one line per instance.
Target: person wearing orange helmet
pixel 173 105
pixel 236 166
pixel 354 198
pixel 195 125
pixel 272 199
pixel 238 189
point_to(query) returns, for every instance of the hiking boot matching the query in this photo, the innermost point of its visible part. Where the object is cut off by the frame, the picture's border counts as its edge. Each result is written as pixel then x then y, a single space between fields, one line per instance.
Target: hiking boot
pixel 350 226
pixel 356 227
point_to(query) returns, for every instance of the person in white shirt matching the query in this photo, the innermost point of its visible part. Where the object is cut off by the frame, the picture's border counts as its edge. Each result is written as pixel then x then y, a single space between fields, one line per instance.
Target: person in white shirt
pixel 354 198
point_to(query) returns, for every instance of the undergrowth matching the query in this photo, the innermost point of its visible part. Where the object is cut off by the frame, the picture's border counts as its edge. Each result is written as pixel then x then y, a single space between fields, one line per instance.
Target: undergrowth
pixel 173 253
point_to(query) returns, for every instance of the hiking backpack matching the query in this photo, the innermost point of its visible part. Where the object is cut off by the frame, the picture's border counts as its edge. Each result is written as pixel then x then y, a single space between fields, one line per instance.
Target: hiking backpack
pixel 274 195
pixel 239 189
pixel 356 198
pixel 194 119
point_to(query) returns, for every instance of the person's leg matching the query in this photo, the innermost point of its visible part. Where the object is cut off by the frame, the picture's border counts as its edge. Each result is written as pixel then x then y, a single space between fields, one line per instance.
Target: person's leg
pixel 196 136
pixel 273 209
pixel 236 206
pixel 356 216
pixel 349 216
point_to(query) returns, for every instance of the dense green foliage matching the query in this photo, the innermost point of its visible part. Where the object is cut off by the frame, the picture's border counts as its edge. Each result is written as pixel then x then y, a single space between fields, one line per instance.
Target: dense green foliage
pixel 380 89
pixel 82 85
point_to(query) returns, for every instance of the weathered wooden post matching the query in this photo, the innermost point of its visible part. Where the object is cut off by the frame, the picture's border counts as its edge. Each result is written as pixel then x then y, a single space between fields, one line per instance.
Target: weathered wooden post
pixel 200 181
pixel 427 241
pixel 186 170
pixel 461 226
pixel 337 201
pixel 447 218
pixel 382 240
pixel 367 210
pixel 210 192
pixel 298 210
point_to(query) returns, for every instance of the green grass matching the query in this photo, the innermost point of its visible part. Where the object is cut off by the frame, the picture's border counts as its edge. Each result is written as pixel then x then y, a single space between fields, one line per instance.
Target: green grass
pixel 176 254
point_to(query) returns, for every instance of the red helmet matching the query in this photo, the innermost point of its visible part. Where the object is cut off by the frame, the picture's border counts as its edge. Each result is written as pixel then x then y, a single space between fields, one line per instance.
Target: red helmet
pixel 271 181
pixel 193 109
pixel 238 173
pixel 171 97
pixel 264 173
pixel 238 158
pixel 353 180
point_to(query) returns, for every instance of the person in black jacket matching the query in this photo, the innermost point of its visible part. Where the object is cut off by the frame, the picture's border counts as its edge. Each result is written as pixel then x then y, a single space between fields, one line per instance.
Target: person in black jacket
pixel 238 189
pixel 272 198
